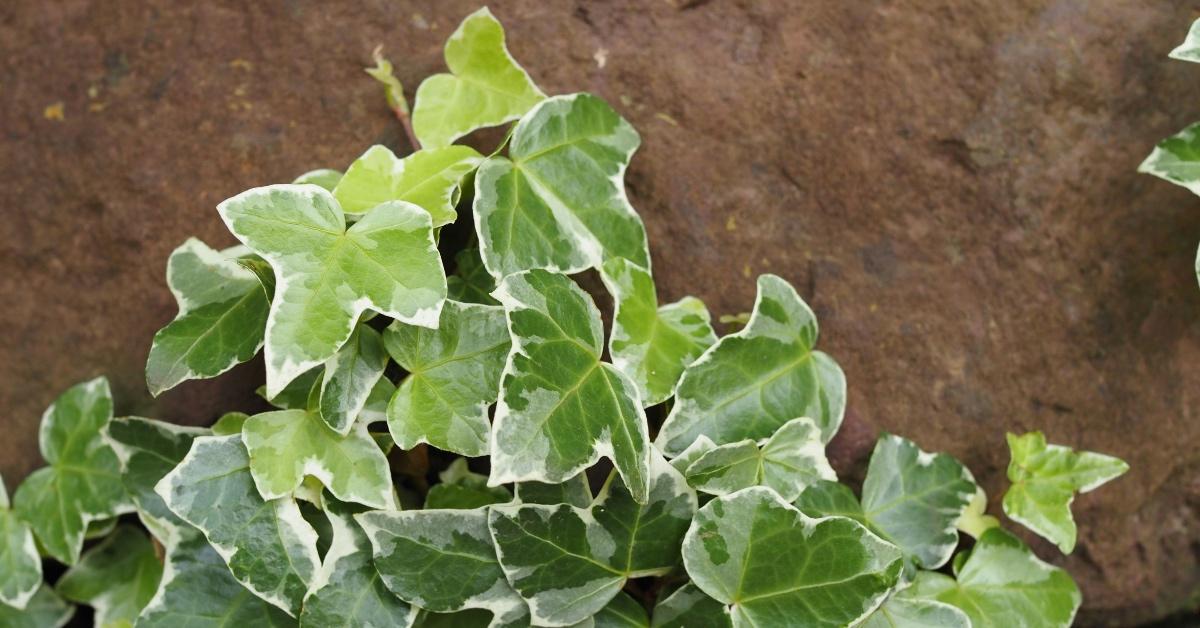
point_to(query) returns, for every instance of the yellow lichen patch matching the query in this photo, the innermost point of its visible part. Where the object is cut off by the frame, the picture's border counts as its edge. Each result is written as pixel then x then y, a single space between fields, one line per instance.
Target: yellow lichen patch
pixel 54 112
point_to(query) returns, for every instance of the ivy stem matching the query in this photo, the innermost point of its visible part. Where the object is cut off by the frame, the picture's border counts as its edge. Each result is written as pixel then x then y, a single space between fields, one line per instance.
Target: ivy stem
pixel 406 122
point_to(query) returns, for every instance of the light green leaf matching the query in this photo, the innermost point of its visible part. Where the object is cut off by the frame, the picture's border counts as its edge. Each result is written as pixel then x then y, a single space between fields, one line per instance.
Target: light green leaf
pixel 568 562
pixel 428 178
pixel 1189 50
pixel 561 408
pixel 752 382
pixel 328 275
pixel 117 578
pixel 22 575
pixel 558 200
pixel 454 375
pixel 903 612
pixel 622 612
pixel 44 610
pixel 83 482
pixel 147 451
pixel 350 376
pixel 287 445
pixel 1045 479
pixel 689 607
pixel 268 545
pixel 323 177
pixel 1003 585
pixel 471 282
pixel 778 567
pixel 699 447
pixel 1177 159
pixel 792 459
pixel 652 344
pixel 393 90
pixel 831 499
pixel 461 489
pixel 975 520
pixel 229 423
pixel 485 88
pixel 575 492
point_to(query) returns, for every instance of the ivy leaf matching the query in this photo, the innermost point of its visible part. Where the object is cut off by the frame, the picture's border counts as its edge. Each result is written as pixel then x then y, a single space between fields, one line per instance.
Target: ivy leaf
pixel 652 344
pixel 428 178
pixel 752 382
pixel 689 607
pixel 1189 50
pixel 471 282
pixel 44 610
pixel 117 578
pixel 558 200
pixel 838 571
pixel 1045 479
pixel 1002 584
pixel 147 451
pixel 904 612
pixel 329 275
pixel 350 376
pixel 22 575
pixel 323 177
pixel 229 423
pixel 287 445
pixel 1177 159
pixel 461 489
pixel 833 499
pixel 485 86
pixel 574 492
pixel 568 562
pixel 622 612
pixel 699 447
pixel 268 545
pixel 454 375
pixel 975 520
pixel 561 407
pixel 83 482
pixel 792 459
pixel 296 394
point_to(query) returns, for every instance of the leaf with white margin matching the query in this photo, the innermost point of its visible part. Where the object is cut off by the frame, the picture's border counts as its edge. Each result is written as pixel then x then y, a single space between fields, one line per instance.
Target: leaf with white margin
pixel 649 343
pixel 44 610
pixel 568 562
pixel 752 382
pixel 558 202
pixel 903 612
pixel 428 178
pixel 328 275
pixel 1177 159
pixel 268 545
pixel 287 445
pixel 1045 479
pixel 1189 50
pixel 485 86
pixel 22 575
pixel 298 392
pixel 148 450
pixel 83 482
pixel 689 607
pixel 561 408
pixel 1003 584
pixel 350 376
pixel 776 566
pixel 323 177
pixel 699 447
pixel 575 492
pixel 471 282
pixel 788 462
pixel 462 489
pixel 454 375
pixel 117 578
pixel 622 612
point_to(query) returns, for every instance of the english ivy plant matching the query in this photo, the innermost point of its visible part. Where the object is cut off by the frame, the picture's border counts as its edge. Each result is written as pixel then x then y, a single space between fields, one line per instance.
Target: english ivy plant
pixel 474 448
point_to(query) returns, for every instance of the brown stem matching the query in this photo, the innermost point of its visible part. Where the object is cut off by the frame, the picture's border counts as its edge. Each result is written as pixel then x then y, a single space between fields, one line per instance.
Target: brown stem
pixel 406 122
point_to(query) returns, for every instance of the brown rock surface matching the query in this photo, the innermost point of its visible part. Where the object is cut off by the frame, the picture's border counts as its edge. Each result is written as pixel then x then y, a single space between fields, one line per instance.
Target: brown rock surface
pixel 950 183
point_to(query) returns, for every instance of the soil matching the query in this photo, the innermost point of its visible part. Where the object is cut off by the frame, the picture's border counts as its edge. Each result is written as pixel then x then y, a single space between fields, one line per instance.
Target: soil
pixel 950 183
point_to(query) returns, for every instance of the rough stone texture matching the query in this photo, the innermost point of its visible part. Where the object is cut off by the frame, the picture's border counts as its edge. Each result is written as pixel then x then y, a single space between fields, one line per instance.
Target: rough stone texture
pixel 951 184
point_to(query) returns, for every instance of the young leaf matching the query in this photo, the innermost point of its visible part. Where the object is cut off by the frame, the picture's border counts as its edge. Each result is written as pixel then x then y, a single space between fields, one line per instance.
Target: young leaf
pixel 558 201
pixel 460 489
pixel 323 177
pixel 837 571
pixel 1189 50
pixel 752 382
pixel 485 88
pixel 622 612
pixel 471 282
pixel 689 607
pixel 229 423
pixel 350 376
pixel 454 375
pixel 1045 479
pixel 792 459
pixel 428 178
pixel 117 578
pixel 147 451
pixel 1177 159
pixel 975 520
pixel 574 492
pixel 652 344
pixel 903 612
pixel 22 575
pixel 393 90
pixel 561 408
pixel 83 482
pixel 329 275
pixel 44 610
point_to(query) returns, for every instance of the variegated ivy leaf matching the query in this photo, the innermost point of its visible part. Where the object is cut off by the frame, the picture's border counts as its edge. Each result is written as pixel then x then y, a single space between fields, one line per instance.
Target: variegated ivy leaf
pixel 975 520
pixel 83 482
pixel 699 447
pixel 903 612
pixel 22 574
pixel 471 282
pixel 323 177
pixel 689 607
pixel 298 392
pixel 622 612
pixel 44 610
pixel 778 567
pixel 1177 159
pixel 568 562
pixel 1045 479
pixel 117 578
pixel 148 450
pixel 652 344
pixel 454 375
pixel 558 200
pixel 574 492
pixel 561 408
pixel 350 376
pixel 222 313
pixel 1002 585
pixel 287 445
pixel 792 459
pixel 461 489
pixel 753 381
pixel 428 178
pixel 1189 50
pixel 485 86
pixel 268 545
pixel 328 275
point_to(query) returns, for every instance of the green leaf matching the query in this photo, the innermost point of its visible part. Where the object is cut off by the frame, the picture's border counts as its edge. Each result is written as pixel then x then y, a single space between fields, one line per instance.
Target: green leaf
pixel 147 451
pixel 471 282
pixel 792 459
pixel 485 88
pixel 229 423
pixel 22 575
pixel 323 177
pixel 268 545
pixel 699 447
pixel 296 394
pixel 622 612
pixel 1177 159
pixel 1045 479
pixel 117 578
pixel 689 607
pixel 44 610
pixel 329 275
pixel 832 499
pixel 287 445
pixel 903 612
pixel 1001 585
pixel 350 376
pixel 454 375
pixel 652 344
pixel 428 178
pixel 561 408
pixel 837 572
pixel 558 201
pixel 222 313
pixel 975 520
pixel 460 489
pixel 574 492
pixel 393 90
pixel 568 562
pixel 1189 50
pixel 83 482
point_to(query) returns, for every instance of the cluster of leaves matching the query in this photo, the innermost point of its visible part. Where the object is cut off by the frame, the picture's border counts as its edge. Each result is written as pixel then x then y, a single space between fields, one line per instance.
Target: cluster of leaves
pixel 378 362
